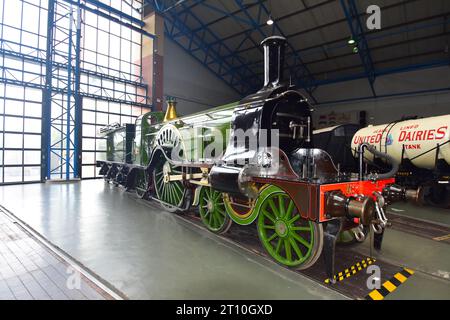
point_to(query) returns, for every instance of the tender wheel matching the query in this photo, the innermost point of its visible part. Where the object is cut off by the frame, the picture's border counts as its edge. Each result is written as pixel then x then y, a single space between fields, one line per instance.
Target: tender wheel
pixel 168 185
pixel 212 210
pixel 289 239
pixel 141 183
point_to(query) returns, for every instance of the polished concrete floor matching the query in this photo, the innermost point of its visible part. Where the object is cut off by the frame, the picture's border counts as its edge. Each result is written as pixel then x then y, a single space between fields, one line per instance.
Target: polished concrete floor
pixel 436 215
pixel 30 271
pixel 148 253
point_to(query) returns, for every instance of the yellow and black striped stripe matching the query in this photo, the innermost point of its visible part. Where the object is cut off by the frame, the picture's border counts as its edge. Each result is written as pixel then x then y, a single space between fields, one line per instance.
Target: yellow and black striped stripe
pixel 390 285
pixel 352 270
pixel 443 238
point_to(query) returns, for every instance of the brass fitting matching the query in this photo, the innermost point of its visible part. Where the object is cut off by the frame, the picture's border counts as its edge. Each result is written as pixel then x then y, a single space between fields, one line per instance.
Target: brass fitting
pixel 393 193
pixel 339 205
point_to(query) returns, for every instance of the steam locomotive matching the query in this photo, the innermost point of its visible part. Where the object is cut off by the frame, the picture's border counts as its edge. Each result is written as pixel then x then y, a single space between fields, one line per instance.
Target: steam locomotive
pixel 254 161
pixel 420 146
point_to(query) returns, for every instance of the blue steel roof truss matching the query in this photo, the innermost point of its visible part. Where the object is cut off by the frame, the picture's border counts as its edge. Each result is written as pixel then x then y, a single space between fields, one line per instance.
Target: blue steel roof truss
pixel 216 55
pixel 357 31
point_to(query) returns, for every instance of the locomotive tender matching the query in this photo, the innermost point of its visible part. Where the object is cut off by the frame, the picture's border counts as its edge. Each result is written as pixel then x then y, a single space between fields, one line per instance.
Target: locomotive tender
pixel 299 199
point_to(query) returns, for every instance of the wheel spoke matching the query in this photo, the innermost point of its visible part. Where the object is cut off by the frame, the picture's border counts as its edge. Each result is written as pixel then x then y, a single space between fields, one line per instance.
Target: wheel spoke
pixel 301 240
pixel 272 237
pixel 274 209
pixel 170 194
pixel 177 193
pixel 296 248
pixel 180 189
pixel 210 219
pixel 295 218
pixel 219 217
pixel 301 229
pixel 287 249
pixel 268 227
pixel 222 212
pixel 217 196
pixel 290 209
pixel 268 215
pixel 281 205
pixel 163 193
pixel 277 249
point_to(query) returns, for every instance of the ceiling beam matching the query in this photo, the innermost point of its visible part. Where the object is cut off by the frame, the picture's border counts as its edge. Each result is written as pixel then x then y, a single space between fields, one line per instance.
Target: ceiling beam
pixel 357 31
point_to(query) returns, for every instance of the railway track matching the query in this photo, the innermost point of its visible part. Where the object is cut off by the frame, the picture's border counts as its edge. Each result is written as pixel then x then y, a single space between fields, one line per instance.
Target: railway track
pixel 353 283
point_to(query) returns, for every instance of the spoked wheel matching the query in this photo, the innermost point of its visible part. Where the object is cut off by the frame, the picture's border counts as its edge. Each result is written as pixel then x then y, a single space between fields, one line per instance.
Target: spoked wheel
pixel 169 186
pixel 141 183
pixel 212 210
pixel 289 239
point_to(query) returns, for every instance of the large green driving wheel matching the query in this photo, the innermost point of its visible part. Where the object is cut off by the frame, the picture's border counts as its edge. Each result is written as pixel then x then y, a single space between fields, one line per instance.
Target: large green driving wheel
pixel 212 210
pixel 141 186
pixel 169 186
pixel 289 239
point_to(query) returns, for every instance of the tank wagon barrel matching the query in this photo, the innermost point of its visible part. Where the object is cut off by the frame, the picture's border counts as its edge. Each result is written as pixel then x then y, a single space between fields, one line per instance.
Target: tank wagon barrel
pixel 254 161
pixel 422 149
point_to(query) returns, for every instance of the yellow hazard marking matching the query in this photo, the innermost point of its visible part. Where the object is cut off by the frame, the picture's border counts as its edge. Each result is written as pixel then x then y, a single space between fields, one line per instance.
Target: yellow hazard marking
pixel 352 270
pixel 411 272
pixel 400 277
pixel 390 285
pixel 375 295
pixel 442 238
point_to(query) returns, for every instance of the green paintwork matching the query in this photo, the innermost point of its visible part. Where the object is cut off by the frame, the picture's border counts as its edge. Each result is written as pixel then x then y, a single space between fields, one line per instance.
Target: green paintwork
pixel 150 124
pixel 212 210
pixel 201 125
pixel 252 215
pixel 144 126
pixel 169 192
pixel 287 237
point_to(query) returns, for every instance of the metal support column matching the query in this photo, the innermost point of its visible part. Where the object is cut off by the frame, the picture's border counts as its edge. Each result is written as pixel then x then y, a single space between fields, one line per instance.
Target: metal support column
pixel 47 95
pixel 61 139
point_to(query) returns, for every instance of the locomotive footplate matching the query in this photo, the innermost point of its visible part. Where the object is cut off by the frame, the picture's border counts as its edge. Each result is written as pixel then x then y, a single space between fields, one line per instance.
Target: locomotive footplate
pixel 354 286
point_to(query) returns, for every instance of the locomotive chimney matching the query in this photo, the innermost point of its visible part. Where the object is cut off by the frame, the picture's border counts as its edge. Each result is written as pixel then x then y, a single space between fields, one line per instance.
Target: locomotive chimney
pixel 274 48
pixel 171 112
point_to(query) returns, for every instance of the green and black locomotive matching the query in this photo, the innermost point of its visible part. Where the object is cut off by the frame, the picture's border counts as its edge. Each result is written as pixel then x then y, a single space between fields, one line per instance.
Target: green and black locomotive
pixel 253 161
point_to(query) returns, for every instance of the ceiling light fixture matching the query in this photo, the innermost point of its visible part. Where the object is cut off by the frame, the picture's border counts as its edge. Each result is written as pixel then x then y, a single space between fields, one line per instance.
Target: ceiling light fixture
pixel 270 21
pixel 351 41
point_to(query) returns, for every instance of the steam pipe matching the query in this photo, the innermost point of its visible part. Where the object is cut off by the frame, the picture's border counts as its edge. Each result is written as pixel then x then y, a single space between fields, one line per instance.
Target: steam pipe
pixel 389 159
